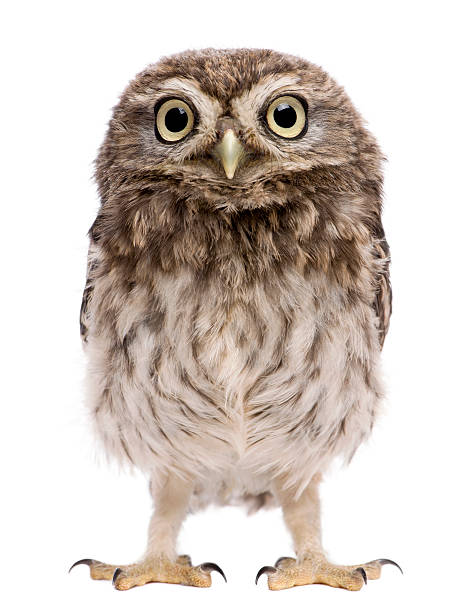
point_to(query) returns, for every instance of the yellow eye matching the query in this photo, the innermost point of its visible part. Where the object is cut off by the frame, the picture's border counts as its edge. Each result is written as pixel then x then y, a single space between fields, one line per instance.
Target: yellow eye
pixel 173 120
pixel 286 117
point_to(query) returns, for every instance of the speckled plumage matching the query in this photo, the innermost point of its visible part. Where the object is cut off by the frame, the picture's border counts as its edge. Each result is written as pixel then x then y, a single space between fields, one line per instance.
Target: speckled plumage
pixel 233 326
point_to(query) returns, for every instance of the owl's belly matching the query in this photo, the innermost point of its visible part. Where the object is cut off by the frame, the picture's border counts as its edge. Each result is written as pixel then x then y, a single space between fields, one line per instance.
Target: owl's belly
pixel 268 382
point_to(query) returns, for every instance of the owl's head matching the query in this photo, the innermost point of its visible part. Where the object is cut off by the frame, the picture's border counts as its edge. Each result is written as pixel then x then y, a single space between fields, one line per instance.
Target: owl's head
pixel 229 127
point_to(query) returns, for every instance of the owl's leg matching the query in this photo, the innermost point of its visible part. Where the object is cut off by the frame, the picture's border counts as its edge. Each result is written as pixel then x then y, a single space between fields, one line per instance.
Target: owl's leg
pixel 160 562
pixel 302 517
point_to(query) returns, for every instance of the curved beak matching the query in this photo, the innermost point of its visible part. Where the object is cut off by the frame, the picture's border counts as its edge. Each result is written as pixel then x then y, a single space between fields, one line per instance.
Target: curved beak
pixel 229 151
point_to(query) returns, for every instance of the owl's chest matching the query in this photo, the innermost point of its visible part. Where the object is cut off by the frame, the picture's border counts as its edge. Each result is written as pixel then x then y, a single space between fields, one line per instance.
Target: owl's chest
pixel 236 376
pixel 232 340
pixel 249 368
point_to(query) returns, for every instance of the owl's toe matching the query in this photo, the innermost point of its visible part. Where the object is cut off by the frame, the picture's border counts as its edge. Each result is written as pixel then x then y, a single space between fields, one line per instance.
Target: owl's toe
pixel 97 569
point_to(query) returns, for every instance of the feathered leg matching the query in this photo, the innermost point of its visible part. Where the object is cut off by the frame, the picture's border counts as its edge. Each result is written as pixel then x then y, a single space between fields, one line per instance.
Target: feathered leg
pixel 160 562
pixel 302 517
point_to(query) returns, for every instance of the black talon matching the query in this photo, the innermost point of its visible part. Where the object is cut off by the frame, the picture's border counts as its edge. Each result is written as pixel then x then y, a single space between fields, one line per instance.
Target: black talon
pixel 117 573
pixel 280 559
pixel 389 562
pixel 267 569
pixel 210 567
pixel 87 562
pixel 363 573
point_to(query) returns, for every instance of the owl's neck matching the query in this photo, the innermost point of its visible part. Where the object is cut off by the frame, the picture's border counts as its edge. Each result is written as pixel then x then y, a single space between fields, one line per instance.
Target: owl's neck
pixel 318 229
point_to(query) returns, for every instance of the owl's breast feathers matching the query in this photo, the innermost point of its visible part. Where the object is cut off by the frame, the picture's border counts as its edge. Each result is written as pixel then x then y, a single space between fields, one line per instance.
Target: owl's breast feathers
pixel 249 340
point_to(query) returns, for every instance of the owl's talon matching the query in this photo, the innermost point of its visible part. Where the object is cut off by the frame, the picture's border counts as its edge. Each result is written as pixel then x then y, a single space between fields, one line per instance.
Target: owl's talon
pixel 282 559
pixel 361 571
pixel 87 562
pixel 266 569
pixel 389 562
pixel 212 567
pixel 184 560
pixel 117 573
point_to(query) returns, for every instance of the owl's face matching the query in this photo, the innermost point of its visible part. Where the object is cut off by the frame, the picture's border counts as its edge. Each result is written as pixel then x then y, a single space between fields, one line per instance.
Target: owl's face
pixel 227 123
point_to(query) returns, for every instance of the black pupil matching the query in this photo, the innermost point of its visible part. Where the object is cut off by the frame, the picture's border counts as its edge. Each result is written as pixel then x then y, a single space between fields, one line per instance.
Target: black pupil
pixel 285 115
pixel 176 119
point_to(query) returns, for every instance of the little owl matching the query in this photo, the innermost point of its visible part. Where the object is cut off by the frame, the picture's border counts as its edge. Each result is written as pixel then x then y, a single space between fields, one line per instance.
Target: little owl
pixel 237 299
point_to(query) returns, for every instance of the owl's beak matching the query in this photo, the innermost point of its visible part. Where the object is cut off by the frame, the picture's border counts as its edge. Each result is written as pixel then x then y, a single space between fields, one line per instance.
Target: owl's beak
pixel 229 151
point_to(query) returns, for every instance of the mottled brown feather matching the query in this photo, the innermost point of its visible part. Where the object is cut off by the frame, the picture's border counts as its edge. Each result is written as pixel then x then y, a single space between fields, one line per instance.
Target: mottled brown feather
pixel 236 318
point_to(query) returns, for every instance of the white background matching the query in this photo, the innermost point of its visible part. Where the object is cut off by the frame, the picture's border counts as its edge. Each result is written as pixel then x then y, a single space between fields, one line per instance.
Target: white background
pixel 408 493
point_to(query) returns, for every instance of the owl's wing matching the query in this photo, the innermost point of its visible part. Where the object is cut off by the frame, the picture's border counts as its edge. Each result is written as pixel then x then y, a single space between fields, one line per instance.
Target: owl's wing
pixel 86 297
pixel 383 299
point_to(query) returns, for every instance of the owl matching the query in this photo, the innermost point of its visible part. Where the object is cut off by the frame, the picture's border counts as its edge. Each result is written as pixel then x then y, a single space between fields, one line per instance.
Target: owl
pixel 237 299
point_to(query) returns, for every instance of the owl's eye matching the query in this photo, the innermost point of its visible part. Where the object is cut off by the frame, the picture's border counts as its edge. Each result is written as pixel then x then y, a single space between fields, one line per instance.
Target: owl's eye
pixel 173 120
pixel 286 117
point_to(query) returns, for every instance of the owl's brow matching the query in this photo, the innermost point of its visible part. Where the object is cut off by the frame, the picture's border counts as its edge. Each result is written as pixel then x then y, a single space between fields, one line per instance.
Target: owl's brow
pixel 267 87
pixel 189 87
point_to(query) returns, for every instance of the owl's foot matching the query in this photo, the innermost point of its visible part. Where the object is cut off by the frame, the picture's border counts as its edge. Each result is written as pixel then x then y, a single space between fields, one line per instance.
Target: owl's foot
pixel 287 572
pixel 180 571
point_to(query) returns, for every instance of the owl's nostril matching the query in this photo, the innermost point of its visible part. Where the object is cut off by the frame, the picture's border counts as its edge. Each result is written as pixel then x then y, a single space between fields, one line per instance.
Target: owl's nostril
pixel 224 124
